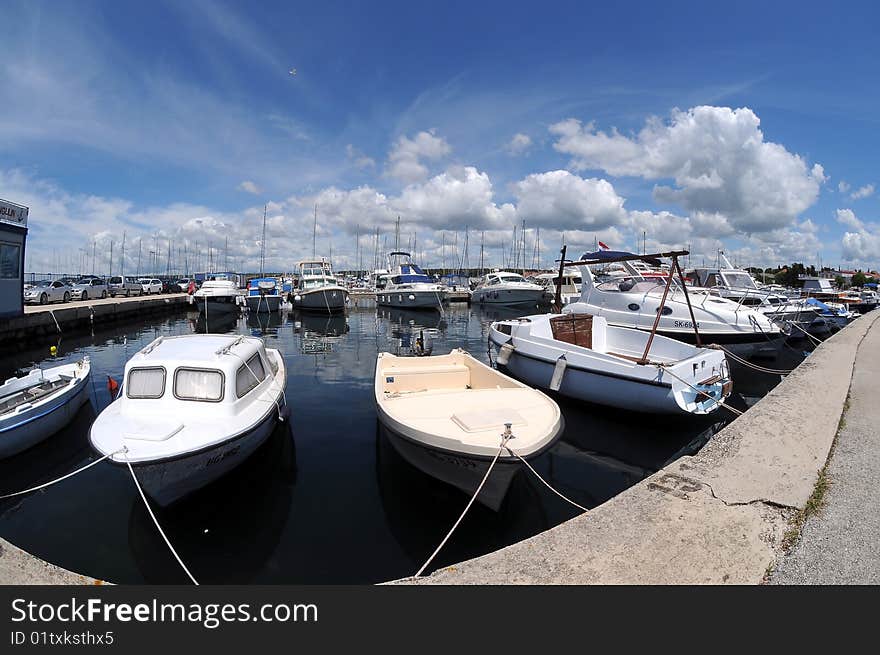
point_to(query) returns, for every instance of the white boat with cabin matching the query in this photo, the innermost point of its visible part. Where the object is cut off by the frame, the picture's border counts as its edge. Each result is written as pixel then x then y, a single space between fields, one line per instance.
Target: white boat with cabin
pixel 506 288
pixel 218 297
pixel 583 357
pixel 571 285
pixel 317 288
pixel 447 414
pixel 634 301
pixel 35 406
pixel 408 286
pixel 191 408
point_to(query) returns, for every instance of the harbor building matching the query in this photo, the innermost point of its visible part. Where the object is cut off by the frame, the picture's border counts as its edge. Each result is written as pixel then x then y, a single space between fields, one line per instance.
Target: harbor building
pixel 13 232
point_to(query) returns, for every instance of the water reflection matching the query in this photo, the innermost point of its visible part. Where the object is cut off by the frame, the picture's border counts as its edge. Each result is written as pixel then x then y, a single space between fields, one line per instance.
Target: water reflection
pixel 228 531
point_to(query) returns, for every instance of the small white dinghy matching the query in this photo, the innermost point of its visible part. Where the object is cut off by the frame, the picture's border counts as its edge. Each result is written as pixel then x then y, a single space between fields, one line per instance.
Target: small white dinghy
pixel 190 409
pixel 35 406
pixel 446 416
pixel 582 357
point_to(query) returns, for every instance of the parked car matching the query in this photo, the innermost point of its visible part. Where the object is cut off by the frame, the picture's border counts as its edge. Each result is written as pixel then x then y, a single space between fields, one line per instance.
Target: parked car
pixel 47 291
pixel 183 284
pixel 89 287
pixel 124 286
pixel 150 285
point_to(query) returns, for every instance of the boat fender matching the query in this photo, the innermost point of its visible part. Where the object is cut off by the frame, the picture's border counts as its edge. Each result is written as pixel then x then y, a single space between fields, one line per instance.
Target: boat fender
pixel 558 373
pixel 412 297
pixel 112 387
pixel 504 354
pixel 284 413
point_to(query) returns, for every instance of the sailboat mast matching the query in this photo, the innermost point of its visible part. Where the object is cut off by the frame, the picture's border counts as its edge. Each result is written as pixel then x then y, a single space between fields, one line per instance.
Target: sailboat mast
pixel 315 234
pixel 263 243
pixel 482 238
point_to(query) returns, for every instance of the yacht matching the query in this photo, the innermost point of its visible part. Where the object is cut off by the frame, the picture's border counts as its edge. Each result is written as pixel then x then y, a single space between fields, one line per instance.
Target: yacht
pixel 505 288
pixel 571 285
pixel 633 301
pixel 317 288
pixel 218 297
pixel 191 408
pixel 408 286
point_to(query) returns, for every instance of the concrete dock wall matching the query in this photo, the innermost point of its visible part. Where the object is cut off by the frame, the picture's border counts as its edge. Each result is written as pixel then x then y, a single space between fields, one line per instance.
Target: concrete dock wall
pixel 716 517
pixel 46 321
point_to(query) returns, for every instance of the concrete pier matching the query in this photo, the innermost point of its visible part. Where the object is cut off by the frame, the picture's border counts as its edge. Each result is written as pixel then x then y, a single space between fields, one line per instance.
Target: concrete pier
pixel 46 321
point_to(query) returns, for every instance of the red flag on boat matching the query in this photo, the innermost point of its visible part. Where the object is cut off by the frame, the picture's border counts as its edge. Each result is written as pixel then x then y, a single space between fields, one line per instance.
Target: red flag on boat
pixel 603 246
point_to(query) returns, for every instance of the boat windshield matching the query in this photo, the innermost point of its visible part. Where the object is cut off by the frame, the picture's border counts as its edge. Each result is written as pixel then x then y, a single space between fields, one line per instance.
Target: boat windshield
pixel 739 280
pixel 511 277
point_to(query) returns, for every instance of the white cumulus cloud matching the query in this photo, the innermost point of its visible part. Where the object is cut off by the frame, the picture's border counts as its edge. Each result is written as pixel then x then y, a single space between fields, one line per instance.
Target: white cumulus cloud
pixel 717 157
pixel 862 192
pixel 250 187
pixel 566 201
pixel 405 159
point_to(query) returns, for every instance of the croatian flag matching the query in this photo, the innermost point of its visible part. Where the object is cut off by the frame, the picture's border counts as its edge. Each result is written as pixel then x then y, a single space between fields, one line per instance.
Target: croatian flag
pixel 602 246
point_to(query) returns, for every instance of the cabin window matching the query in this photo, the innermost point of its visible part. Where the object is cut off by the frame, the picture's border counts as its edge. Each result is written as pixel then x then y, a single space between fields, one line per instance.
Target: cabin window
pixel 248 377
pixel 146 382
pixel 198 384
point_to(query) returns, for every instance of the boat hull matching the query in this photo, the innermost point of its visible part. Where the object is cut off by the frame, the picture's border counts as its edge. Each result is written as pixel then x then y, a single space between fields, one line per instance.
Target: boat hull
pixel 410 299
pixel 600 389
pixel 262 304
pixel 464 472
pixel 217 306
pixel 507 296
pixel 330 300
pixel 29 428
pixel 168 481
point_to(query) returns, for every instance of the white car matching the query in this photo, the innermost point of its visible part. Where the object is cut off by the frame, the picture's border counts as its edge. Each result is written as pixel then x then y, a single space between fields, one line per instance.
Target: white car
pixel 47 291
pixel 150 285
pixel 90 287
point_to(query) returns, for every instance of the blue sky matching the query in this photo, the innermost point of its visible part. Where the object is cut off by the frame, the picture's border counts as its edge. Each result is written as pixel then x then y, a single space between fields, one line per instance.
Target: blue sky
pixel 750 127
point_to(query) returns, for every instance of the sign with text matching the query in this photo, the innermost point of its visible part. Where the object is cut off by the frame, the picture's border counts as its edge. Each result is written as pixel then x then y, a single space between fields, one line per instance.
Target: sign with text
pixel 12 213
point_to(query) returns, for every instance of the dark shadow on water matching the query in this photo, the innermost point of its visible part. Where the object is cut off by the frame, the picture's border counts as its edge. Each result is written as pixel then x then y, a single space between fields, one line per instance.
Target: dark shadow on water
pixel 227 531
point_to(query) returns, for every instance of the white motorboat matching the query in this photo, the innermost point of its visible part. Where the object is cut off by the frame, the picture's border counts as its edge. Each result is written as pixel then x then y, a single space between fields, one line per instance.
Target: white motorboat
pixel 571 285
pixel 582 357
pixel 505 288
pixel 409 287
pixel 263 295
pixel 634 302
pixel 736 285
pixel 446 415
pixel 317 289
pixel 190 409
pixel 35 406
pixel 218 297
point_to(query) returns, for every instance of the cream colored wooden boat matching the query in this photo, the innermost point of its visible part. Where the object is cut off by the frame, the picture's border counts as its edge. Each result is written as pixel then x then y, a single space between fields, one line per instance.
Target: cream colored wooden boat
pixel 446 415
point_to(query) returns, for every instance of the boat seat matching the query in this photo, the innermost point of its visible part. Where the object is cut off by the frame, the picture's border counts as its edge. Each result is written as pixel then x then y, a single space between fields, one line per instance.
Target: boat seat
pixel 416 378
pixel 576 329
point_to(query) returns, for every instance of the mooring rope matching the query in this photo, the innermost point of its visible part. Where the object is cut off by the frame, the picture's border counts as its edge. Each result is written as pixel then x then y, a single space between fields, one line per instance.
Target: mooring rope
pixel 546 484
pixel 504 439
pixel 763 369
pixel 156 522
pixel 814 339
pixel 63 477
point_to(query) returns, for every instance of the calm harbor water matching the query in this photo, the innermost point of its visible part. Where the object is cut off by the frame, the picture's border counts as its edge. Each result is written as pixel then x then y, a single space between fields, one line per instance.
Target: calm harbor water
pixel 326 499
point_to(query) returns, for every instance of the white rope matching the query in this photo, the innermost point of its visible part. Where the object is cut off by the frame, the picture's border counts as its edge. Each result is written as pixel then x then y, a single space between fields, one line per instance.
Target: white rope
pixel 814 339
pixel 473 498
pixel 744 362
pixel 546 484
pixel 720 403
pixel 52 314
pixel 63 477
pixel 153 516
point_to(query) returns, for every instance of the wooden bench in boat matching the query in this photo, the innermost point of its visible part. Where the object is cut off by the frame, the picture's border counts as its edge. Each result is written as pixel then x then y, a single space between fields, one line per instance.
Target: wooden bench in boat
pixel 576 329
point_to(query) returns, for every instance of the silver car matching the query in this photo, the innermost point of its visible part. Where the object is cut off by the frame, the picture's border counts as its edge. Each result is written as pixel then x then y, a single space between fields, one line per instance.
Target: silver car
pixel 47 291
pixel 89 287
pixel 150 285
pixel 124 286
